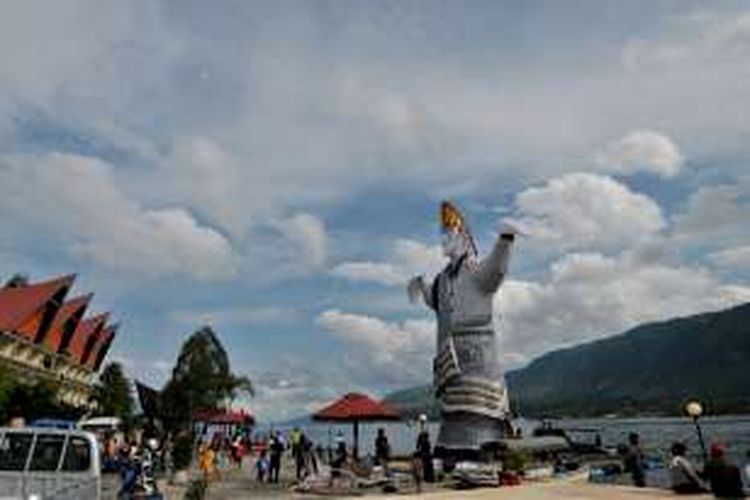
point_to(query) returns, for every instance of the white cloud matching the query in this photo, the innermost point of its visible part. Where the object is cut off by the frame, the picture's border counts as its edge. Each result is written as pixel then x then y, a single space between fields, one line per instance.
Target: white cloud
pixel 407 258
pixel 581 210
pixel 714 216
pixel 374 272
pixel 698 40
pixel 586 296
pixel 200 173
pixel 294 388
pixel 737 258
pixel 395 353
pixel 307 238
pixel 642 150
pixel 163 366
pixel 234 316
pixel 152 371
pixel 74 201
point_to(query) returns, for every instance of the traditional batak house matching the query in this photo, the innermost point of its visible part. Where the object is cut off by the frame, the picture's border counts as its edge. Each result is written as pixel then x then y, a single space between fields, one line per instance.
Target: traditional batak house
pixel 45 335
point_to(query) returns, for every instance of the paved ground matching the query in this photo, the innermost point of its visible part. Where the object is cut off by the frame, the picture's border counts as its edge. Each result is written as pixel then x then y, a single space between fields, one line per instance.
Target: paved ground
pixel 577 490
pixel 111 485
pixel 239 484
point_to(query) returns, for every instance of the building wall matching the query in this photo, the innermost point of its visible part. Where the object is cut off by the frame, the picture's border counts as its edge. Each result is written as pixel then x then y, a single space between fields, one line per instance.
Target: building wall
pixel 31 363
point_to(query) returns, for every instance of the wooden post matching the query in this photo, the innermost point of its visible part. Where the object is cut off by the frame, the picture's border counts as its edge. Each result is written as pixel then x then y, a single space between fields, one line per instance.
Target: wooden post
pixel 356 439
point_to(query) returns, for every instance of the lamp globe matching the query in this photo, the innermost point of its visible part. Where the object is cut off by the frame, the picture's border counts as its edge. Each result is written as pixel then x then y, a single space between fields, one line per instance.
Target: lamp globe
pixel 694 409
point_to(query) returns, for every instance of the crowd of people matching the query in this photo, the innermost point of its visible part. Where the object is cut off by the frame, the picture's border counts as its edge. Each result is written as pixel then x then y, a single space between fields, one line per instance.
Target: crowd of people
pixel 222 451
pixel 718 475
pixel 269 452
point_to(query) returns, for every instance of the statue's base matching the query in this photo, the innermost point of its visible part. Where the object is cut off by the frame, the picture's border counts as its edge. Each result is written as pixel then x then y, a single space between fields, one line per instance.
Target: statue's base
pixel 469 436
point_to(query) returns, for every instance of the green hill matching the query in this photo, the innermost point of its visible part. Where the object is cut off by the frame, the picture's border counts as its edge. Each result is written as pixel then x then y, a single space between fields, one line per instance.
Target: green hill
pixel 651 369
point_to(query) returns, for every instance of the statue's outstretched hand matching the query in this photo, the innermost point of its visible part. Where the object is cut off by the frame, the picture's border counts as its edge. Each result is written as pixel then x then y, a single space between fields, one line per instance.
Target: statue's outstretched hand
pixel 510 230
pixel 415 288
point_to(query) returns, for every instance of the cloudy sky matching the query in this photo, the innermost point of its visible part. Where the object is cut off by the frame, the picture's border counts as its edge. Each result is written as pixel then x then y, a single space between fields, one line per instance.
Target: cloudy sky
pixel 274 169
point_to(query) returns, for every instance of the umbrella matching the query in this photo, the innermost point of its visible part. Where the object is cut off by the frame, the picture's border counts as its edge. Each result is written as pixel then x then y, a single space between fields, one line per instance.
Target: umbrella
pixel 355 408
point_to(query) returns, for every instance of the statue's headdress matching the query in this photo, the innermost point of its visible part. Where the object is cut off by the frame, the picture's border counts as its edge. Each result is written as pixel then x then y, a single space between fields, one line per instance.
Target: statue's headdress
pixel 452 220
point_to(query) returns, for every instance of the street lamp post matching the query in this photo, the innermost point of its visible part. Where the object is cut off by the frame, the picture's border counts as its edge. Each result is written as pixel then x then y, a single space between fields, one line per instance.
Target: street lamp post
pixel 422 422
pixel 695 410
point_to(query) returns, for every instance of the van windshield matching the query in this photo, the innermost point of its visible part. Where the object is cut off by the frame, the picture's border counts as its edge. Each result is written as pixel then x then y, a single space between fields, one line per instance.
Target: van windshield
pixel 47 451
pixel 14 450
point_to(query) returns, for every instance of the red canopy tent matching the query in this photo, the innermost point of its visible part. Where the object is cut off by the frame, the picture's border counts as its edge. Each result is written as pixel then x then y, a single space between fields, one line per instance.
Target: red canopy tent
pixel 229 417
pixel 355 407
pixel 222 422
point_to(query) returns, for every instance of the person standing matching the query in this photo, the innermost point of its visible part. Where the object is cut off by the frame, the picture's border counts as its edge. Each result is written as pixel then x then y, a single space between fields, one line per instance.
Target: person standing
pixel 634 460
pixel 298 452
pixel 295 443
pixel 277 449
pixel 424 453
pixel 382 449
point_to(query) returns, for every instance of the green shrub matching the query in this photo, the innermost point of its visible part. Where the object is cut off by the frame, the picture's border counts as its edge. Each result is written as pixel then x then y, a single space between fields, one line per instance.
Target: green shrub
pixel 516 460
pixel 196 489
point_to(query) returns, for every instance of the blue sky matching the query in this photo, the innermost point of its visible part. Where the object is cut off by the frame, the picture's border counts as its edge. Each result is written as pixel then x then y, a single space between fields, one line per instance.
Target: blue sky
pixel 274 169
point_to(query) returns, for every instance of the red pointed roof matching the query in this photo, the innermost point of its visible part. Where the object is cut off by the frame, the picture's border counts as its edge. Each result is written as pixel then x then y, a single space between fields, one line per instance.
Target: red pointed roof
pixel 68 312
pixel 105 337
pixel 356 406
pixel 104 349
pixel 18 304
pixel 86 328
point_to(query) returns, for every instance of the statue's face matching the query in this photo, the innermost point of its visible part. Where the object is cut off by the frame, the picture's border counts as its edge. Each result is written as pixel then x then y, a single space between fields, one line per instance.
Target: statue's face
pixel 454 245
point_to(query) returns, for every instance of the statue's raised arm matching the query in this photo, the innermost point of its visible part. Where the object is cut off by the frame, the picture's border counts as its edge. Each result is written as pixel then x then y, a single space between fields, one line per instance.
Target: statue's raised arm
pixel 493 267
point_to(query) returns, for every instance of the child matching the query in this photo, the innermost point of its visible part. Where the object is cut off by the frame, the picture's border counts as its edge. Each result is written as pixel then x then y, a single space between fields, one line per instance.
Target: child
pixel 207 462
pixel 261 466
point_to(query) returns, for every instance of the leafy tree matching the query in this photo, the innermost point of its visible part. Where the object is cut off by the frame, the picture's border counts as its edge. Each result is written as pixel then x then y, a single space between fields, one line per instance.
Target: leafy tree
pixel 201 379
pixel 29 400
pixel 113 393
pixel 7 386
pixel 182 452
pixel 16 281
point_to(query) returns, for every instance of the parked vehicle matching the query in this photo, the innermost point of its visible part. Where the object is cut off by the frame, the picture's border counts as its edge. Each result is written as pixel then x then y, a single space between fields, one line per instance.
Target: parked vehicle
pixel 49 463
pixel 53 423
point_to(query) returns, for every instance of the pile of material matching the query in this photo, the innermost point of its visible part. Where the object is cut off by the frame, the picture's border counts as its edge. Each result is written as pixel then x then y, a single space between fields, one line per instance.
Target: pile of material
pixel 348 481
pixel 475 475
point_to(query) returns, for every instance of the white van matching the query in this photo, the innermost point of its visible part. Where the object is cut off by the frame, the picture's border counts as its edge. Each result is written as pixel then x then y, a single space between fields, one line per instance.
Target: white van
pixel 40 463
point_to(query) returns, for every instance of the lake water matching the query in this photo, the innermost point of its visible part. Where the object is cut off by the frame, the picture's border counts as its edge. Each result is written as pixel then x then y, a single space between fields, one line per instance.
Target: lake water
pixel 657 434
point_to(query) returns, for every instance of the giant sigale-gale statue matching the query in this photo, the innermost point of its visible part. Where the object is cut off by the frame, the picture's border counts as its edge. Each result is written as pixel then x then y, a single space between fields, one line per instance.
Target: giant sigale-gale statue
pixel 468 378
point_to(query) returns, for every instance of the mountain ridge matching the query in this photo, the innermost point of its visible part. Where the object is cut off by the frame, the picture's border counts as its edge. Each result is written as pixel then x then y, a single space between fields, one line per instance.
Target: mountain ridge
pixel 653 368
